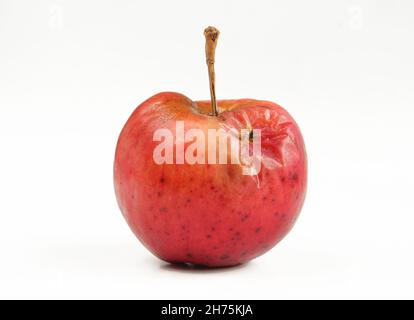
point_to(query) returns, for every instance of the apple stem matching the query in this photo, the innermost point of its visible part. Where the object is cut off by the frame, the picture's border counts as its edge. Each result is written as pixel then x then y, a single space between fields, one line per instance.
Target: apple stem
pixel 211 35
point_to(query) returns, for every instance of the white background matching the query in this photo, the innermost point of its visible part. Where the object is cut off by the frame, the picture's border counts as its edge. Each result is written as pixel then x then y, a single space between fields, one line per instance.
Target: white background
pixel 71 72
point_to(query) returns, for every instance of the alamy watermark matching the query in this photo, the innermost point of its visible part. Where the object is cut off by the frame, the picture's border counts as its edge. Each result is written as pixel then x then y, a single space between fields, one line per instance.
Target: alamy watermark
pixel 217 146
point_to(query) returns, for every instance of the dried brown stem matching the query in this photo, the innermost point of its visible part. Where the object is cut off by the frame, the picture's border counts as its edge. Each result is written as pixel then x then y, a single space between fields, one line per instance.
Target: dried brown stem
pixel 211 35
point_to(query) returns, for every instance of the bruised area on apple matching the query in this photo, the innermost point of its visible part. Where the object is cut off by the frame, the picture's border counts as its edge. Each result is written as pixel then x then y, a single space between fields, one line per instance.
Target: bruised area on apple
pixel 210 214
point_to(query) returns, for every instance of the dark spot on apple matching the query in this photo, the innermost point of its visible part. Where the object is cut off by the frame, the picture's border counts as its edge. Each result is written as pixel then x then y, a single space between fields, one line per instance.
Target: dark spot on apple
pixel 282 179
pixel 243 253
pixel 294 176
pixel 159 194
pixel 244 217
pixel 236 236
pixel 284 216
pixel 183 227
pixel 191 179
pixel 276 214
pixel 189 255
pixel 212 188
pixel 230 229
pixel 162 180
pixel 215 247
pixel 188 200
pixel 213 229
pixel 258 229
pixel 264 198
pixel 163 209
pixel 251 135
pixel 224 257
pixel 132 196
pixel 273 200
pixel 208 236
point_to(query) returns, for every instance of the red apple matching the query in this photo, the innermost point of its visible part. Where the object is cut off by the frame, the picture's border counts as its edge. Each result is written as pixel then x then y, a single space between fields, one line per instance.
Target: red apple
pixel 209 214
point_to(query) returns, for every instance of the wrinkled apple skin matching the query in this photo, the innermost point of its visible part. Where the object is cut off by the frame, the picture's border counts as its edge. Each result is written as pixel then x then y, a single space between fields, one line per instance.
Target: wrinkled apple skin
pixel 210 215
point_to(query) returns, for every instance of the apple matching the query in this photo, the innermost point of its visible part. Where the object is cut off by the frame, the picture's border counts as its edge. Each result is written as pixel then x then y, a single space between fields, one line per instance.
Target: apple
pixel 209 213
